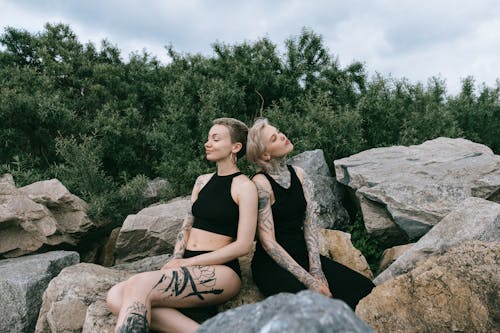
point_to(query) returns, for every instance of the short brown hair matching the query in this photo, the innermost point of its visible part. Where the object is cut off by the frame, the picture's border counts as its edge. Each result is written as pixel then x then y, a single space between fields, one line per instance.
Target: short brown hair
pixel 255 146
pixel 238 132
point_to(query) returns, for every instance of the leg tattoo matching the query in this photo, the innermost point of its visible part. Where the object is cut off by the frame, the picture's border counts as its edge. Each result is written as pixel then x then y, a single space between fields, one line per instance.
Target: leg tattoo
pixel 136 319
pixel 202 276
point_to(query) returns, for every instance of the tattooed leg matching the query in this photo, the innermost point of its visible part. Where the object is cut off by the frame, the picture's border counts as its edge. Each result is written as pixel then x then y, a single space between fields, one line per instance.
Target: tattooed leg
pixel 135 319
pixel 182 287
pixel 184 283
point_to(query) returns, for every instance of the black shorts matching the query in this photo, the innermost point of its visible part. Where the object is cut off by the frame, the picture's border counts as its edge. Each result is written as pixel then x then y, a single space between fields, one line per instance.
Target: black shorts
pixel 233 264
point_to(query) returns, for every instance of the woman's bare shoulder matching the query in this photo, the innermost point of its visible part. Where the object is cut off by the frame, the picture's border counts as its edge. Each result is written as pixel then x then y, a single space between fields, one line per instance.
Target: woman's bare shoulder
pixel 262 182
pixel 202 180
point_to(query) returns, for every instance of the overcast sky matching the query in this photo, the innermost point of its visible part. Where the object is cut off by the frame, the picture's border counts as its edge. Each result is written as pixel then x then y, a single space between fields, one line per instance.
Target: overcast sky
pixel 414 39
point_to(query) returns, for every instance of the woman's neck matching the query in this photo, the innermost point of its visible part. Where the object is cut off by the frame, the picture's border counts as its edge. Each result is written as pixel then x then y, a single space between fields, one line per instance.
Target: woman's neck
pixel 277 166
pixel 279 171
pixel 226 167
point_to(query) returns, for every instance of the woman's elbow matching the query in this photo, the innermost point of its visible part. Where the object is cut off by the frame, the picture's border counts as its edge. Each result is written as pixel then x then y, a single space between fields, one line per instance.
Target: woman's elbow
pixel 245 248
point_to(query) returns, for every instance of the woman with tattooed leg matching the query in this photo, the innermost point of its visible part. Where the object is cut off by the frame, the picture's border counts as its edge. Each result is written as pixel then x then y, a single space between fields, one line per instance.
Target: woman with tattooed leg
pixel 219 228
pixel 286 258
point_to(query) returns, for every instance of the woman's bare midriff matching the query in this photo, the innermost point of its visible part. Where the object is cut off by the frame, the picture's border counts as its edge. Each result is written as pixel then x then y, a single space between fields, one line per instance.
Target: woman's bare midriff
pixel 202 240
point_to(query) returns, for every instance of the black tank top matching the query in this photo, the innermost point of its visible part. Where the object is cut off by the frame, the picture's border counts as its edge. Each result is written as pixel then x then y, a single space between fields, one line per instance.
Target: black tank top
pixel 289 209
pixel 215 209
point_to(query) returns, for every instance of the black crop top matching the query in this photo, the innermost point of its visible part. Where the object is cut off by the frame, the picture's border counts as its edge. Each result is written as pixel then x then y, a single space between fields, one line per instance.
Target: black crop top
pixel 215 210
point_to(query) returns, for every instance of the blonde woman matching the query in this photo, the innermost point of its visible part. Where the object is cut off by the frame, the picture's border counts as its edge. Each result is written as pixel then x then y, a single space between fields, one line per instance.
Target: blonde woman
pixel 287 257
pixel 219 228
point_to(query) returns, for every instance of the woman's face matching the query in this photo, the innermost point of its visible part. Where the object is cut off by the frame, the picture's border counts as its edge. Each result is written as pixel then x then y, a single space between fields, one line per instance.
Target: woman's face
pixel 218 145
pixel 276 143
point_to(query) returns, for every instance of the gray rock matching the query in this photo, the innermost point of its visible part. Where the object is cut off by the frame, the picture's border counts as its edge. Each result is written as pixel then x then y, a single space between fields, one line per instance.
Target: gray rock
pixel 306 311
pixel 152 231
pixel 145 264
pixel 7 179
pixel 413 188
pixel 325 193
pixel 476 219
pixel 22 283
pixel 155 187
pixel 75 300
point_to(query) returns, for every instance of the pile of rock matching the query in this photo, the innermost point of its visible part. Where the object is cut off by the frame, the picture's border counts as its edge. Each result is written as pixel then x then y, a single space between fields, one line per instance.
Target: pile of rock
pixel 442 196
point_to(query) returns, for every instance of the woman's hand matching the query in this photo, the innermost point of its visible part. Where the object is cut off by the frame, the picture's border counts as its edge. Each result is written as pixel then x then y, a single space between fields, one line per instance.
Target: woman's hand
pixel 176 263
pixel 319 286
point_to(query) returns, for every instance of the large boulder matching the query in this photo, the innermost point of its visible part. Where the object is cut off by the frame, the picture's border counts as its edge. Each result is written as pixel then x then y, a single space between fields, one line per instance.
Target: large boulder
pixel 404 191
pixel 75 300
pixel 326 195
pixel 22 283
pixel 306 311
pixel 44 213
pixel 152 231
pixel 68 209
pixel 458 291
pixel 476 219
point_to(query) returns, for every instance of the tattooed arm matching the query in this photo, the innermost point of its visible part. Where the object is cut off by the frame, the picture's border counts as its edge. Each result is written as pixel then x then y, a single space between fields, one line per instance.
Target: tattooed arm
pixel 273 248
pixel 311 231
pixel 183 235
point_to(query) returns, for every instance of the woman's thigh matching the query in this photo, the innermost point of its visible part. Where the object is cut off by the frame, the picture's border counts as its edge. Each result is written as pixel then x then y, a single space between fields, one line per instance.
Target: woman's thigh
pixel 189 286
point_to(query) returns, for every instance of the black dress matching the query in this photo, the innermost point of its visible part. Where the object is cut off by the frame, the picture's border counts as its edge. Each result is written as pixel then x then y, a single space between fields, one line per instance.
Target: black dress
pixel 289 211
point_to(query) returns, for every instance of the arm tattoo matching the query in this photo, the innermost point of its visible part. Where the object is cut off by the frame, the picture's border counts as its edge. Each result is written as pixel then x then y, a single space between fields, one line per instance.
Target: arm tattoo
pixel 275 251
pixel 184 280
pixel 183 235
pixel 135 320
pixel 311 232
pixel 265 222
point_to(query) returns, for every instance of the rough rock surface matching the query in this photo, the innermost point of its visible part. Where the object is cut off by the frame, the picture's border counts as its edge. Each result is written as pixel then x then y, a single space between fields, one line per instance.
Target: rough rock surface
pixel 69 296
pixel 390 255
pixel 22 283
pixel 458 291
pixel 325 192
pixel 337 245
pixel 412 188
pixel 43 213
pixel 152 231
pixel 303 312
pixel 476 219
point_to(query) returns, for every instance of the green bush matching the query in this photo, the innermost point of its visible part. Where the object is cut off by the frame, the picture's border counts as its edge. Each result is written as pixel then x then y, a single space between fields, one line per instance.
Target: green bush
pixel 103 125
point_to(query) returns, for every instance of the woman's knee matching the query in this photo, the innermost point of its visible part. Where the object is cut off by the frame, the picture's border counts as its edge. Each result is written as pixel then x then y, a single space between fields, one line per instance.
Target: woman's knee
pixel 114 298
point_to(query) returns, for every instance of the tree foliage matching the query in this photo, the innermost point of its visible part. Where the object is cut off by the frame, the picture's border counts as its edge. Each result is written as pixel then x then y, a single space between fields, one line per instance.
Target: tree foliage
pixel 103 125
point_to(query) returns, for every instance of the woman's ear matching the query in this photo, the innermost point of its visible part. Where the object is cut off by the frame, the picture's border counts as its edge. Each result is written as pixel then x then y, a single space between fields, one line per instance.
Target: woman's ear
pixel 237 147
pixel 266 157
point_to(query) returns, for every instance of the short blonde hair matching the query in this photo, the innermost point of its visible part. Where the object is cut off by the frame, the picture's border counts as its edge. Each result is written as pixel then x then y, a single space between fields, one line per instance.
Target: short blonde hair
pixel 255 146
pixel 238 132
